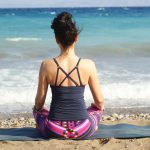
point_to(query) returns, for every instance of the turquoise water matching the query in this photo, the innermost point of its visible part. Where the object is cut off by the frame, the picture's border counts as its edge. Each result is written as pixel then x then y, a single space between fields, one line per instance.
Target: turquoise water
pixel 117 39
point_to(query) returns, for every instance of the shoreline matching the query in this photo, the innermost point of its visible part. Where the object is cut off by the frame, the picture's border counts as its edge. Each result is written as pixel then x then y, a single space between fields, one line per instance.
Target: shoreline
pixel 108 111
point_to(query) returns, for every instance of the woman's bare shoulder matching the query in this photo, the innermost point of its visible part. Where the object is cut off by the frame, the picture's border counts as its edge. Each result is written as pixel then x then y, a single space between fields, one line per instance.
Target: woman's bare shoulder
pixel 47 61
pixel 47 64
pixel 88 62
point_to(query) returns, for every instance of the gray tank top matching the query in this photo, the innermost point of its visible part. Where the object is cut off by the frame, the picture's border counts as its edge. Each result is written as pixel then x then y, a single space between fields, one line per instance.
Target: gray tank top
pixel 67 102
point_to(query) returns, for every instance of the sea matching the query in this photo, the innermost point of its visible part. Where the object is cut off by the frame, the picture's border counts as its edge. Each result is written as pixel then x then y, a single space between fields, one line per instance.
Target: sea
pixel 117 39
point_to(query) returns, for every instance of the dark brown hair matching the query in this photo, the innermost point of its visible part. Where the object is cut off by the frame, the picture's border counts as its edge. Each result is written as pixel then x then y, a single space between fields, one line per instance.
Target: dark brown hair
pixel 65 29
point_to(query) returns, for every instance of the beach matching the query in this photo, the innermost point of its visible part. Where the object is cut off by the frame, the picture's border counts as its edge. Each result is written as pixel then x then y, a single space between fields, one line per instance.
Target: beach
pixel 116 39
pixel 96 144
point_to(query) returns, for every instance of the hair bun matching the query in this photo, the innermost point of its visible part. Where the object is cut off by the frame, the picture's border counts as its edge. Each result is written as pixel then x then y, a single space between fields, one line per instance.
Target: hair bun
pixel 67 16
pixel 66 19
pixel 65 28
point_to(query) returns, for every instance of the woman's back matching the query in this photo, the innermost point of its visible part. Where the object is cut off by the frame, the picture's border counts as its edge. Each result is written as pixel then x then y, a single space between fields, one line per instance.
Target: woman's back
pixel 68 101
pixel 79 74
pixel 87 72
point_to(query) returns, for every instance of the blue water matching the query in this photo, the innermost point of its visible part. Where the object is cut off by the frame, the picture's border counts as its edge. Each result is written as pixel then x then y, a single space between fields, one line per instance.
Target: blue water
pixel 117 39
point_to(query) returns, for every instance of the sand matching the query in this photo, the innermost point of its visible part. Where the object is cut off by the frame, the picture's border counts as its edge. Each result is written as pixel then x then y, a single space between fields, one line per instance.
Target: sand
pixel 98 144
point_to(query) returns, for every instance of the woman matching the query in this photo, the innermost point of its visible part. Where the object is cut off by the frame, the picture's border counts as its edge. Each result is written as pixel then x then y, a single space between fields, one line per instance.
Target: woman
pixel 67 75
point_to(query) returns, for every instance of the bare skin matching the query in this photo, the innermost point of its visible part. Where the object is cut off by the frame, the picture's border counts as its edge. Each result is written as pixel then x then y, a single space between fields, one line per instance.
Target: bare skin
pixel 67 60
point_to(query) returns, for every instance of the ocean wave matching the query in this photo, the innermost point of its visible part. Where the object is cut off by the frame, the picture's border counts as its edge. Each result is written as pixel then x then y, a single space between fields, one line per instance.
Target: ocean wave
pixel 47 13
pixel 116 95
pixel 101 8
pixel 18 39
pixel 22 90
pixel 13 14
pixel 53 13
pixel 127 90
pixel 10 14
pixel 123 95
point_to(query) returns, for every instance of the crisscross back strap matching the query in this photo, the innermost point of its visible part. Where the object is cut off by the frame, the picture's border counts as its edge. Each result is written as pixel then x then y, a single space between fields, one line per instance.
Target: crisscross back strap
pixel 67 74
pixel 57 71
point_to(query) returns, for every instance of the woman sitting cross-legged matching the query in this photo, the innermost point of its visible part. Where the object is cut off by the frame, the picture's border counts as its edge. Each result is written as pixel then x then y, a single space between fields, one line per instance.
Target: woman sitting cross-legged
pixel 67 74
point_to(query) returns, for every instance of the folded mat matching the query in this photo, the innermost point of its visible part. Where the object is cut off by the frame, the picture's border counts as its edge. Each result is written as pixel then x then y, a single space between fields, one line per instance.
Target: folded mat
pixel 105 131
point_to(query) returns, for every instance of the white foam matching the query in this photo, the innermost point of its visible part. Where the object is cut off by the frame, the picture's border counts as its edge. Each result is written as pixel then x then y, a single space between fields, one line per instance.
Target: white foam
pixel 101 8
pixel 15 78
pixel 123 94
pixel 135 91
pixel 53 13
pixel 18 39
pixel 21 86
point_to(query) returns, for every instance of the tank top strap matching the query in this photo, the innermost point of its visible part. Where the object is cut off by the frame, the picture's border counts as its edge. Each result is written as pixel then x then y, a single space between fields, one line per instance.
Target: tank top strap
pixel 78 62
pixel 78 71
pixel 57 70
pixel 56 62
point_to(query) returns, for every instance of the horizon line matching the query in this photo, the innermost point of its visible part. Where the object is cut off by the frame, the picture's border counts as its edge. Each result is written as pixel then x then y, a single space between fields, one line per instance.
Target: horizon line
pixel 72 7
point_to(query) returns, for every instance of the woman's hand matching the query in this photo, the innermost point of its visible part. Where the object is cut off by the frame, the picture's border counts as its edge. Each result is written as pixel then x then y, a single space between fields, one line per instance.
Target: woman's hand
pixel 100 106
pixel 35 109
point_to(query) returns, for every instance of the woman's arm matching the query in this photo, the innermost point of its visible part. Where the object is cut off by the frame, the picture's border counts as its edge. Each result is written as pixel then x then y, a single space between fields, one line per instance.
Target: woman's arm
pixel 95 87
pixel 42 88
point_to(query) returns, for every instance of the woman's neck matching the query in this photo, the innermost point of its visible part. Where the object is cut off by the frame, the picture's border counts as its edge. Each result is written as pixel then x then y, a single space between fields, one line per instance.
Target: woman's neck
pixel 67 52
